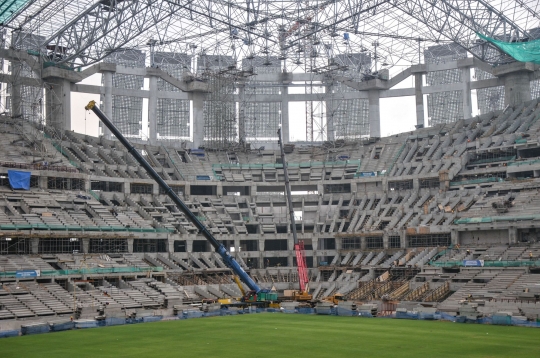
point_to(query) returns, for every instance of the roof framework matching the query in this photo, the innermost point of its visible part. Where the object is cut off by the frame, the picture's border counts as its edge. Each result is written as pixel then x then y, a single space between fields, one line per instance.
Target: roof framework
pixel 82 32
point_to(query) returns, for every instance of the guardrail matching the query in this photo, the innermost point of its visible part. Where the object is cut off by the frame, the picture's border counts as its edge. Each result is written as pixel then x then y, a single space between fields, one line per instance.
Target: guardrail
pixel 86 271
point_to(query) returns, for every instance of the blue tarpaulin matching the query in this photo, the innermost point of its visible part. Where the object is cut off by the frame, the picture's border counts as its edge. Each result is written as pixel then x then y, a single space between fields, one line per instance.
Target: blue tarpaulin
pixel 19 180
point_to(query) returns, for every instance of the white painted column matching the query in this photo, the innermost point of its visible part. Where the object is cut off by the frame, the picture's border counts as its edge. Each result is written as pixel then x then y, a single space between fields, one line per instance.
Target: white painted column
pixel 467 101
pixel 152 109
pixel 419 98
pixel 107 100
pixel 374 114
pixel 198 119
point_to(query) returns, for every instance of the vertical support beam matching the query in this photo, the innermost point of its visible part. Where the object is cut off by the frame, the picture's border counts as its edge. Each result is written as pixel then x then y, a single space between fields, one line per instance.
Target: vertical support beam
pixel 58 99
pixel 198 119
pixel 16 97
pixel 403 239
pixel 419 98
pixel 34 243
pixel 330 130
pixel 454 237
pixel 512 235
pixel 517 81
pixel 130 245
pixel 517 88
pixel 374 114
pixel 285 136
pixel 85 246
pixel 152 109
pixel 241 112
pixel 107 100
pixel 466 92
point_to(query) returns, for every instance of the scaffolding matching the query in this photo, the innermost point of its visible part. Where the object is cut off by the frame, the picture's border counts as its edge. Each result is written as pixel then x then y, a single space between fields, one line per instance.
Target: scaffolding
pixel 173 115
pixel 127 111
pixel 444 107
pixel 350 117
pixel 259 120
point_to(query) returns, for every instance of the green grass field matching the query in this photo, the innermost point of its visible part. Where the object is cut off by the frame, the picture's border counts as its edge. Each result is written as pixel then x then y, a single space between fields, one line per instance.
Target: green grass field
pixel 282 335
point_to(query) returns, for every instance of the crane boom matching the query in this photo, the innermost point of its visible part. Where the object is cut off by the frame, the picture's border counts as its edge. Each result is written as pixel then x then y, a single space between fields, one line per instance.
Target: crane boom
pixel 298 245
pixel 220 249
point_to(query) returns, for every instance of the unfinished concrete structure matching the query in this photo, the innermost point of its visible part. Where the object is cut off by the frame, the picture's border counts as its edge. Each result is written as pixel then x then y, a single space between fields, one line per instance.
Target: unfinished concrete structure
pixel 373 211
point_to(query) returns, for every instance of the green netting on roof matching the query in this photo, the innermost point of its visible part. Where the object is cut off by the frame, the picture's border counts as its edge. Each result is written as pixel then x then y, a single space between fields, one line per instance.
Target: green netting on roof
pixel 8 8
pixel 522 51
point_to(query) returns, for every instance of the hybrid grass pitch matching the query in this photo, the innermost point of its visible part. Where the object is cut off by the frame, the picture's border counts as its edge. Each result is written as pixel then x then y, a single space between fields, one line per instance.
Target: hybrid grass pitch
pixel 282 335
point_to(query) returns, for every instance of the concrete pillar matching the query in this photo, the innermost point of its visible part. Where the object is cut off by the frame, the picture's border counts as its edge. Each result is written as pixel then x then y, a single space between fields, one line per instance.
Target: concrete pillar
pixel 198 119
pixel 512 235
pixel 374 114
pixel 290 260
pixel 454 237
pixel 315 244
pixel 189 245
pixel 107 100
pixel 16 97
pixel 130 245
pixel 466 92
pixel 363 243
pixel 58 99
pixel 330 130
pixel 517 89
pixel 403 239
pixel 241 113
pixel 43 181
pixel 34 246
pixel 285 115
pixel 170 244
pixel 152 109
pixel 85 246
pixel 419 98
pixel 385 241
pixel 516 78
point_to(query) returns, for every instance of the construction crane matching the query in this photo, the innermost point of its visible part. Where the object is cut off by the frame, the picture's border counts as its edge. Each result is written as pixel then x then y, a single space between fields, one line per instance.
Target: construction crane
pixel 255 290
pixel 303 294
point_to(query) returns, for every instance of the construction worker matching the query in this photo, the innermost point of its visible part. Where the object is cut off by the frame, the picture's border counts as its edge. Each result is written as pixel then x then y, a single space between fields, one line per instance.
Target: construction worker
pixel 530 255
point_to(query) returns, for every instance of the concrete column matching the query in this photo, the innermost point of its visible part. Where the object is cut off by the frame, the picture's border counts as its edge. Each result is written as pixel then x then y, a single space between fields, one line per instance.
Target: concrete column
pixel 170 244
pixel 419 98
pixel 198 119
pixel 516 78
pixel 34 249
pixel 42 182
pixel 466 92
pixel 517 88
pixel 107 100
pixel 290 260
pixel 512 235
pixel 315 244
pixel 152 109
pixel 130 245
pixel 85 246
pixel 16 99
pixel 363 243
pixel 454 237
pixel 374 114
pixel 403 239
pixel 241 113
pixel 189 245
pixel 385 241
pixel 58 99
pixel 285 115
pixel 330 130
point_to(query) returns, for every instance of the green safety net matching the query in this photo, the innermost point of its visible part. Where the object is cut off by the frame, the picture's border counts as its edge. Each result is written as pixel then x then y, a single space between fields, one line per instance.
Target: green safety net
pixel 9 8
pixel 522 51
